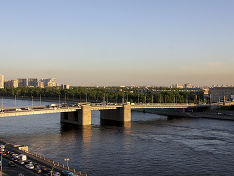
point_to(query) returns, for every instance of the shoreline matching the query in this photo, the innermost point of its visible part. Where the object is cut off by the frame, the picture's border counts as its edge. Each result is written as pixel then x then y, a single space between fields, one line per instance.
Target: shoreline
pixel 40 158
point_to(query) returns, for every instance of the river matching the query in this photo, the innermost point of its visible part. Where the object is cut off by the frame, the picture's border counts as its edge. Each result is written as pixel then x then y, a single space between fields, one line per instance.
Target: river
pixel 151 145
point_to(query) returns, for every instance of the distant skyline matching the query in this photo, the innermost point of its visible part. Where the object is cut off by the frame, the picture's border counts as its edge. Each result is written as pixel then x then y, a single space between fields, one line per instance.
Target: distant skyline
pixel 118 42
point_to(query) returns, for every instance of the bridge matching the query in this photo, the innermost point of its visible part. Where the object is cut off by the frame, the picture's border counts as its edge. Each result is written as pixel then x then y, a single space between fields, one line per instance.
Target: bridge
pixel 81 114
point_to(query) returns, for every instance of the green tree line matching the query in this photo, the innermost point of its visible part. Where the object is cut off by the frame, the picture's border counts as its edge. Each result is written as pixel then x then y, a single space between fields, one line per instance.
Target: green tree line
pixel 93 94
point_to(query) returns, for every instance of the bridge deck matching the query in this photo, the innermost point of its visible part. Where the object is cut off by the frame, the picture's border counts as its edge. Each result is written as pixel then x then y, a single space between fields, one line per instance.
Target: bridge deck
pixel 93 107
pixel 36 111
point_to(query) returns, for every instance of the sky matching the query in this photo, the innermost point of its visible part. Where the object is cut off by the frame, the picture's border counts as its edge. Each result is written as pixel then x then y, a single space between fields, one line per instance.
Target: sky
pixel 118 42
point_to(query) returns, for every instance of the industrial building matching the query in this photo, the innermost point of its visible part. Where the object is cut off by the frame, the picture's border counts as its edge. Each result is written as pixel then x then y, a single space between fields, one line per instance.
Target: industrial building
pixel 221 94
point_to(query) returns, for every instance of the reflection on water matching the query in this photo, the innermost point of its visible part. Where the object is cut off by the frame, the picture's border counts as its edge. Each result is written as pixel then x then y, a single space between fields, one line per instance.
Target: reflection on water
pixel 70 131
pixel 104 122
pixel 149 145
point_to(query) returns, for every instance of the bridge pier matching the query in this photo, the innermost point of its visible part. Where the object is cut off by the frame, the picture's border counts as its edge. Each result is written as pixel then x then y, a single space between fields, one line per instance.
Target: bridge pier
pixel 81 117
pixel 122 114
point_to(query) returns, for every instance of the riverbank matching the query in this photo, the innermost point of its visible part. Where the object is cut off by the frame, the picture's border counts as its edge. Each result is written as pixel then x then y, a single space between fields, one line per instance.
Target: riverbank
pixel 36 158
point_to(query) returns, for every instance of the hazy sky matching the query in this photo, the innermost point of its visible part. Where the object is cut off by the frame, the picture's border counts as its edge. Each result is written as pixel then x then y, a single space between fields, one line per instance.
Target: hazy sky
pixel 118 42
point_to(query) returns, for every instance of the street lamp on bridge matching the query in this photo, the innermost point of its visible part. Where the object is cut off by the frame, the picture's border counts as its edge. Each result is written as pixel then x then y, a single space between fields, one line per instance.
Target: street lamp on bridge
pixel 67 160
pixel 1 151
pixel 51 172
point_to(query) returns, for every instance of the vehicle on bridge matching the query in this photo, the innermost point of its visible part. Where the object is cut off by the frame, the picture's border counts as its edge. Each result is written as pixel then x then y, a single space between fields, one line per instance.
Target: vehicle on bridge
pixel 22 157
pixel 53 106
pixel 39 107
pixel 29 166
pixel 67 173
pixel 26 108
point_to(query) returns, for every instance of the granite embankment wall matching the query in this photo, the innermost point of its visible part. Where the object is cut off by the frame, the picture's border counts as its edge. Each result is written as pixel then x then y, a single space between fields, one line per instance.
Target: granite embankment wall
pixel 41 159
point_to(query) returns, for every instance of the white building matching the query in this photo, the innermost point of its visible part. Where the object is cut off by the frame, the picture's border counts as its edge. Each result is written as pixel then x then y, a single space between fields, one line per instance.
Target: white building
pixel 50 82
pixel 188 86
pixel 11 83
pixel 177 86
pixel 1 81
pixel 65 86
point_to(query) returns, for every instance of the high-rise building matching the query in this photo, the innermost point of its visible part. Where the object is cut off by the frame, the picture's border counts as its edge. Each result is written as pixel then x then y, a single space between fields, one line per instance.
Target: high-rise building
pixel 50 82
pixel 11 83
pixel 22 82
pixel 188 86
pixel 40 84
pixel 32 82
pixel 1 81
pixel 65 86
pixel 177 86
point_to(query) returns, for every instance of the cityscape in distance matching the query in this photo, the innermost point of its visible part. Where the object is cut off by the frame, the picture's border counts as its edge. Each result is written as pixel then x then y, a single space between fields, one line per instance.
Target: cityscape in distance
pixel 116 88
pixel 214 93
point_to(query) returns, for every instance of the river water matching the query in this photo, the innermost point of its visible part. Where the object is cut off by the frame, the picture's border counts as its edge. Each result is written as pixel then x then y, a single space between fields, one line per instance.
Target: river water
pixel 151 145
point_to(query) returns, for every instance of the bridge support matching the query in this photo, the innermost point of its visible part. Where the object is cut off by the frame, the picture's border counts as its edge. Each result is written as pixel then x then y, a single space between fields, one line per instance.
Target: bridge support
pixel 122 114
pixel 81 117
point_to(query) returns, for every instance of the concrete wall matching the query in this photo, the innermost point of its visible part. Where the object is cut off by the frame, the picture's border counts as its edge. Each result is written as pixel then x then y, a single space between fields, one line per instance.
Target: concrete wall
pixel 122 114
pixel 85 114
pixel 80 117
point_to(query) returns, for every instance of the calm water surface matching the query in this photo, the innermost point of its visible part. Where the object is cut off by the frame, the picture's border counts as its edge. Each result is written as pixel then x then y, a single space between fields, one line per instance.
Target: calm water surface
pixel 151 145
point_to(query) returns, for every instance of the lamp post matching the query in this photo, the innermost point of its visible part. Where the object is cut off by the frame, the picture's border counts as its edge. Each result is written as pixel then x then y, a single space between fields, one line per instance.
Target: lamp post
pixel 67 160
pixel 51 172
pixel 1 164
pixel 2 150
pixel 59 100
pixel 86 97
pixel 15 101
pixel 2 104
pixel 104 98
pixel 65 98
pixel 116 99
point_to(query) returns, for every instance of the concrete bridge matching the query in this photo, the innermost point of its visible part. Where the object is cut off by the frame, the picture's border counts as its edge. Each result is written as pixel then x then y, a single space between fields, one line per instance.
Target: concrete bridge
pixel 81 115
